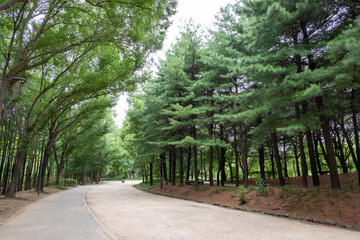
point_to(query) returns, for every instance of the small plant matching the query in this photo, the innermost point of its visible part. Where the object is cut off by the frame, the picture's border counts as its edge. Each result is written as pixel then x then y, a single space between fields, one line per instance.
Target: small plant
pixel 261 187
pixel 242 193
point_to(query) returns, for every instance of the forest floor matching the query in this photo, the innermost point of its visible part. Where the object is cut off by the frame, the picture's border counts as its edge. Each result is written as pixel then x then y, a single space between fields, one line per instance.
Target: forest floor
pixel 10 208
pixel 321 204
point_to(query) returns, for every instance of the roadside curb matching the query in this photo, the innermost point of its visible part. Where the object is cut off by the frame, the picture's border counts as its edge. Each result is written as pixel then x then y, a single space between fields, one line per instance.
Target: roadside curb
pixel 292 217
pixel 106 231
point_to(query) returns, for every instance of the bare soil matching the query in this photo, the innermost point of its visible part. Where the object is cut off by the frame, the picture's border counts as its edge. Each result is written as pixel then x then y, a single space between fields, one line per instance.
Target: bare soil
pixel 10 208
pixel 334 207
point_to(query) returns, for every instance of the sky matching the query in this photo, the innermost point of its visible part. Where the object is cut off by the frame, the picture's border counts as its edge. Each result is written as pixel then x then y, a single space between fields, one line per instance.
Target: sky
pixel 202 12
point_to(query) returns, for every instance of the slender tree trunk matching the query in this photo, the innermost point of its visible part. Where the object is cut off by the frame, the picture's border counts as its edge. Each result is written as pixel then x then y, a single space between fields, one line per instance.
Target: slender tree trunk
pixel 211 160
pixel 271 153
pixel 47 152
pixel 164 167
pixel 285 158
pixel 161 171
pixel 211 157
pixel 277 158
pixel 314 173
pixel 325 126
pixel 244 155
pixel 173 166
pixel 7 141
pixel 339 146
pixel 188 164
pixel 317 157
pixel 296 169
pixel 304 169
pixel 181 168
pixel 11 149
pixel 195 158
pixel 151 174
pixel 237 177
pixel 170 167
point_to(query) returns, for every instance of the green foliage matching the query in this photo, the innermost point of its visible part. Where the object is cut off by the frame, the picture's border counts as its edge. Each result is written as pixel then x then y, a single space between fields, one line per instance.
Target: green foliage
pixel 261 187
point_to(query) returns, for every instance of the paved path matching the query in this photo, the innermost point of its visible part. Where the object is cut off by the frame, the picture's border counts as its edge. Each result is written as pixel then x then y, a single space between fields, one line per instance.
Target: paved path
pixel 132 214
pixel 62 216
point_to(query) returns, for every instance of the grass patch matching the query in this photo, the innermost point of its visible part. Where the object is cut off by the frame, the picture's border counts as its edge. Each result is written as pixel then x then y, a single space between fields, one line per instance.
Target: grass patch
pixel 290 190
pixel 201 187
pixel 62 187
pixel 144 185
pixel 351 186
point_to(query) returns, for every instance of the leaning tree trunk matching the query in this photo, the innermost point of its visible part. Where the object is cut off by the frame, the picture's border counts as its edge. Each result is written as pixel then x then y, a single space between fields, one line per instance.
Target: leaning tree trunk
pixel 277 158
pixel 325 126
pixel 314 173
pixel 17 170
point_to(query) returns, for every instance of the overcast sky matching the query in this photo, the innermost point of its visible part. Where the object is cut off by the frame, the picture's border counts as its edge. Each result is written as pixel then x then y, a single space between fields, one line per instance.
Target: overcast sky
pixel 201 12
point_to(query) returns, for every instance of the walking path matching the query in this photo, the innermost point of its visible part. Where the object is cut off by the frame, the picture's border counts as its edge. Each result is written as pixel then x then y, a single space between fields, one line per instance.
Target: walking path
pixel 132 214
pixel 62 216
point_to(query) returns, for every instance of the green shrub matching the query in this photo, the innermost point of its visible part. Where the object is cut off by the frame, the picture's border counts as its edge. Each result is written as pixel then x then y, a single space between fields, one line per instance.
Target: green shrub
pixel 69 182
pixel 261 187
pixel 242 193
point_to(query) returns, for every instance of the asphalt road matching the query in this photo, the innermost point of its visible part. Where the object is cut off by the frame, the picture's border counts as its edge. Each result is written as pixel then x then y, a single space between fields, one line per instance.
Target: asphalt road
pixel 62 216
pixel 132 214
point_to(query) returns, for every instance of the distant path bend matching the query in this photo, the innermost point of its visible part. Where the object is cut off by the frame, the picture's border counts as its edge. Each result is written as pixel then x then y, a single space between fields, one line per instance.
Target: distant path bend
pixel 132 214
pixel 62 216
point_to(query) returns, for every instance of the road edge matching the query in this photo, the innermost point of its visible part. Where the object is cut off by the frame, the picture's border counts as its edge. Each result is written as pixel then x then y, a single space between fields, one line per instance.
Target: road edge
pixel 102 226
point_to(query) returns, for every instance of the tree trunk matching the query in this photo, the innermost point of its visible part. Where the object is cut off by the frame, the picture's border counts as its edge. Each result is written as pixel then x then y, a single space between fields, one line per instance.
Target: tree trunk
pixel 173 166
pixel 211 160
pixel 170 167
pixel 325 126
pixel 164 167
pixel 244 156
pixel 237 177
pixel 17 170
pixel 285 159
pixel 271 153
pixel 296 156
pixel 195 158
pixel 151 174
pixel 181 168
pixel 188 164
pixel 317 157
pixel 314 173
pixel 356 132
pixel 161 171
pixel 277 158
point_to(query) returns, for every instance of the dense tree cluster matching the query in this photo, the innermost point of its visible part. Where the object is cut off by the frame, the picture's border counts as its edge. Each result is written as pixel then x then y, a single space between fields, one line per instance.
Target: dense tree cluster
pixel 63 63
pixel 272 93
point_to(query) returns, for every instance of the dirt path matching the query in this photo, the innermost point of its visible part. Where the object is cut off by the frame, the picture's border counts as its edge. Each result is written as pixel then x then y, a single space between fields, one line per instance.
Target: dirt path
pixel 60 216
pixel 132 214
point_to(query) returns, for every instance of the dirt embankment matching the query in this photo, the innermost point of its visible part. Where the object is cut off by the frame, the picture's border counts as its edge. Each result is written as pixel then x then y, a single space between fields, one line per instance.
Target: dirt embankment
pixel 10 208
pixel 333 207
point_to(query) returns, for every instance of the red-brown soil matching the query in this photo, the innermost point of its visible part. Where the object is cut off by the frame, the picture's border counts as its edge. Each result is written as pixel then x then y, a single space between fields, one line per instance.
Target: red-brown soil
pixel 335 207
